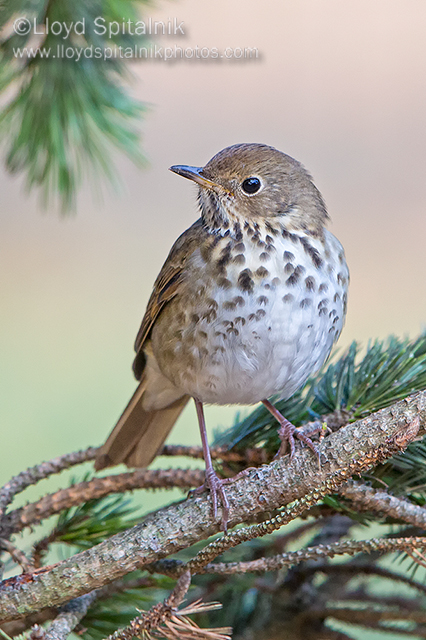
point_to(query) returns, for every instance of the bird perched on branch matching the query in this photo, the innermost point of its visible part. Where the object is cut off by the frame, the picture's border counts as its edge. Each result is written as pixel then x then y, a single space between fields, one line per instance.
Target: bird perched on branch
pixel 246 307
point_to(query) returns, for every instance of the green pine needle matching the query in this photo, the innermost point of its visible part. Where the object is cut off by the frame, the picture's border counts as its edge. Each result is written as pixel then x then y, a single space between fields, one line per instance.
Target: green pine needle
pixel 91 523
pixel 67 117
pixel 389 370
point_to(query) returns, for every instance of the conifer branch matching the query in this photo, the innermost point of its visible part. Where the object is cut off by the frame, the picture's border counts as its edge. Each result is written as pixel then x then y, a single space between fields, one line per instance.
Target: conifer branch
pixel 105 593
pixel 410 545
pixel 383 503
pixel 69 616
pixel 164 620
pixel 15 521
pixel 291 558
pixel 373 617
pixel 17 555
pixel 356 569
pixel 97 488
pixel 351 450
pixel 153 619
pixel 66 113
pixel 250 457
pixel 33 475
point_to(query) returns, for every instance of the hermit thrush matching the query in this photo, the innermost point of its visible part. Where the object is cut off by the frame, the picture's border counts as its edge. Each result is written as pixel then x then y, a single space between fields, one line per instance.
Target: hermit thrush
pixel 247 305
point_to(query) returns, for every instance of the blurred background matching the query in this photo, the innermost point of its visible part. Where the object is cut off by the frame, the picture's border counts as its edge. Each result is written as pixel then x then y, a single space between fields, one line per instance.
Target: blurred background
pixel 339 85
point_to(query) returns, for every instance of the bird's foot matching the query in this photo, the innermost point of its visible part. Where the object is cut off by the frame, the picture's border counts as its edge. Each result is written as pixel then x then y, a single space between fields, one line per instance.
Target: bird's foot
pixel 287 433
pixel 216 487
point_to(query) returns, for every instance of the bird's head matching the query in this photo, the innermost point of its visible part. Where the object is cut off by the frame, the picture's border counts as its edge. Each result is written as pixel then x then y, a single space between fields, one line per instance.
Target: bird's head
pixel 255 182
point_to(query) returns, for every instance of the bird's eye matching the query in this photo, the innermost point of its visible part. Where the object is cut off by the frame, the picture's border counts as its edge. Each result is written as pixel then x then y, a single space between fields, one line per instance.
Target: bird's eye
pixel 250 186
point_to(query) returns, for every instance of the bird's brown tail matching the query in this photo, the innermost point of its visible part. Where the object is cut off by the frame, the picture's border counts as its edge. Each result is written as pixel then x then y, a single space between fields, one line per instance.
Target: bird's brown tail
pixel 139 434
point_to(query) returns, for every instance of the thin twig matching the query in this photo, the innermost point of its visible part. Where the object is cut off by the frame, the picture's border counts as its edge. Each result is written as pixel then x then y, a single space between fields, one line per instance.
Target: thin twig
pixel 369 616
pixel 157 615
pixel 174 568
pixel 166 621
pixel 383 503
pixel 69 616
pixel 356 569
pixel 17 555
pixel 41 547
pixel 32 475
pixel 253 456
pixel 418 557
pixel 96 488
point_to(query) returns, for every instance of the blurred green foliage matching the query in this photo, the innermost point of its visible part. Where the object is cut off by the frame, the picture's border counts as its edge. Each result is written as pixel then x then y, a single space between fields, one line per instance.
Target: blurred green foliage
pixel 65 114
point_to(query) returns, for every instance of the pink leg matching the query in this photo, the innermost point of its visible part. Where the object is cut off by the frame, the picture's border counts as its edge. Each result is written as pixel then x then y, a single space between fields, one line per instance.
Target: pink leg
pixel 287 432
pixel 212 482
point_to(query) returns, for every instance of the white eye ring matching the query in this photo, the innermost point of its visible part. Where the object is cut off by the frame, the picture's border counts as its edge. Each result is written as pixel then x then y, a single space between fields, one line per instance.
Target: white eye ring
pixel 251 186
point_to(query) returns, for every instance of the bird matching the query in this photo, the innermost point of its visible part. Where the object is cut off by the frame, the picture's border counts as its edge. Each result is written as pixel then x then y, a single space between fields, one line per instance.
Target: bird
pixel 248 305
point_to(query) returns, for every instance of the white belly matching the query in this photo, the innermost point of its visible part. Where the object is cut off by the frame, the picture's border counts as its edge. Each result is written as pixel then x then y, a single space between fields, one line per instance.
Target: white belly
pixel 271 354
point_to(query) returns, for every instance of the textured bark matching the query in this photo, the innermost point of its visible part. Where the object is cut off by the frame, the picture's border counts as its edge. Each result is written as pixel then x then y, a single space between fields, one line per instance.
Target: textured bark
pixel 40 472
pixel 382 503
pixel 17 555
pixel 81 492
pixel 69 617
pixel 349 451
pixel 16 627
pixel 290 558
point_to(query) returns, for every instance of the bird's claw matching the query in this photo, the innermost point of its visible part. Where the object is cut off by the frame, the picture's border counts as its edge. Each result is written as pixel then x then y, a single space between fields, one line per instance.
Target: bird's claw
pixel 287 433
pixel 216 487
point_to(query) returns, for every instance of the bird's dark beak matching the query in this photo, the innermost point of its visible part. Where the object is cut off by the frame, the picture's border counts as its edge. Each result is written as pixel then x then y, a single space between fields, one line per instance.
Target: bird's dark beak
pixel 195 174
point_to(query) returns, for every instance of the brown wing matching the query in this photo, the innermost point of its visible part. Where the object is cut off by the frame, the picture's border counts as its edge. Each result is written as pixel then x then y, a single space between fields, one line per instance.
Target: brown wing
pixel 166 286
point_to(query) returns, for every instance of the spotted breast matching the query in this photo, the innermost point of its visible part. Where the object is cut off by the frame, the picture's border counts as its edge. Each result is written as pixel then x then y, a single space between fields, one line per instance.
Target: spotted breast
pixel 259 310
